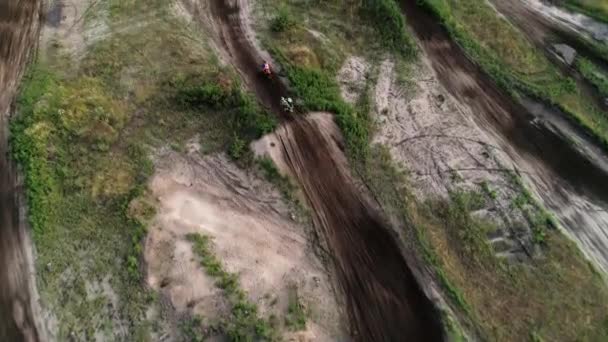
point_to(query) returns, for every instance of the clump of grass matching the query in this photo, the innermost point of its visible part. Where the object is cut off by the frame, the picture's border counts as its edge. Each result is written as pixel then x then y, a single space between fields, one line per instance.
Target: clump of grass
pixel 386 17
pixel 593 74
pixel 295 319
pixel 283 21
pixel 244 323
pixel 247 120
pixel 319 91
pixel 597 9
pixel 485 187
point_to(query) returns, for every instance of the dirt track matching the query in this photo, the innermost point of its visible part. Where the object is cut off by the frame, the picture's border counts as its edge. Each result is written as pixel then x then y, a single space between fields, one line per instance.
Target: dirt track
pixel 565 178
pixel 18 31
pixel 384 301
pixel 543 32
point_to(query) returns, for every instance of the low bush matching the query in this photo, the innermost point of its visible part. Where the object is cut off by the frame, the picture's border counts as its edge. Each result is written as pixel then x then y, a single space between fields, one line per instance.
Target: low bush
pixel 282 22
pixel 389 22
pixel 247 121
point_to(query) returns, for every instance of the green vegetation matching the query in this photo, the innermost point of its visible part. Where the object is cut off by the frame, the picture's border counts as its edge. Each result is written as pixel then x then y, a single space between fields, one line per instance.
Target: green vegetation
pixel 597 9
pixel 244 323
pixel 84 135
pixel 386 17
pixel 594 74
pixel 246 120
pixel 319 92
pixel 488 191
pixel 78 191
pixel 514 63
pixel 295 319
pixel 282 21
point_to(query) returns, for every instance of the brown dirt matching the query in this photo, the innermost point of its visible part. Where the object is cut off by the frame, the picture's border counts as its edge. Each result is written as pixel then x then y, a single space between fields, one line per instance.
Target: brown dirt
pixel 384 300
pixel 18 32
pixel 568 182
pixel 253 235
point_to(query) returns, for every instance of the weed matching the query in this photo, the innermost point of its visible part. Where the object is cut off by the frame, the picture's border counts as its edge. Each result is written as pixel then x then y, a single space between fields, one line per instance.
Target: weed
pixel 593 74
pixel 248 120
pixel 485 187
pixel 190 329
pixel 295 319
pixel 386 17
pixel 597 9
pixel 282 22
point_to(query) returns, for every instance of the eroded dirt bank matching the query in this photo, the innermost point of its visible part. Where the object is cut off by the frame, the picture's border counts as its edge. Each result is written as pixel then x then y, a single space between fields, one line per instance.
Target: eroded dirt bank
pixel 19 26
pixel 569 184
pixel 384 300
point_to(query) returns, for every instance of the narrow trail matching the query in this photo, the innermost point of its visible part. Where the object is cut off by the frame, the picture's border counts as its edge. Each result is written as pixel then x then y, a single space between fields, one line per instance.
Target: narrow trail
pixel 384 300
pixel 19 27
pixel 575 188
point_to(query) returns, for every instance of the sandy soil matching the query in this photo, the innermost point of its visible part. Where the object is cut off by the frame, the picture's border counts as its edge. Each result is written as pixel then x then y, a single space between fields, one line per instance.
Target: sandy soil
pixel 253 235
pixel 352 78
pixel 431 134
pixel 68 28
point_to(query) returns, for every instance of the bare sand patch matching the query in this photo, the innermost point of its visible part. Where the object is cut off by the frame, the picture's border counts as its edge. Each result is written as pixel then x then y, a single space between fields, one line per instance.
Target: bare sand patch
pixel 352 78
pixel 253 235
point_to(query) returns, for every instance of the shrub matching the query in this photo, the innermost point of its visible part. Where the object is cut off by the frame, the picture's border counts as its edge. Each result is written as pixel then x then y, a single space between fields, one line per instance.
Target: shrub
pixel 390 24
pixel 247 120
pixel 282 22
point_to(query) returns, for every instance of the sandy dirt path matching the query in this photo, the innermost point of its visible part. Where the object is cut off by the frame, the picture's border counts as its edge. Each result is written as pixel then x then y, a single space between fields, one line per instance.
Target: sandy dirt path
pixel 19 25
pixel 568 182
pixel 384 300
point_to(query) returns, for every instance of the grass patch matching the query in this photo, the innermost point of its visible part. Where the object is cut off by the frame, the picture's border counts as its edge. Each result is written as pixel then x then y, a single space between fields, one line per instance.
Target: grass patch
pixel 246 120
pixel 295 320
pixel 386 17
pixel 593 74
pixel 514 63
pixel 244 323
pixel 597 9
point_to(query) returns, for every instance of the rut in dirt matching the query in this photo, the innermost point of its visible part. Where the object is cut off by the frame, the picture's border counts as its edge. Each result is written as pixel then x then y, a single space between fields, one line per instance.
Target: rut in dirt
pixel 18 32
pixel 561 163
pixel 384 300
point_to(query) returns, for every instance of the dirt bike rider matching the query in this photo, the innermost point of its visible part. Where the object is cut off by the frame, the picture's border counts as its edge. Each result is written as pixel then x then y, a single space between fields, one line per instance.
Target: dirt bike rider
pixel 287 104
pixel 266 68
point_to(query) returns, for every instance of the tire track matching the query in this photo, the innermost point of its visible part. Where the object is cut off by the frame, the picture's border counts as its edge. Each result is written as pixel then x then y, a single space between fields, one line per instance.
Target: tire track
pixel 384 300
pixel 19 25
